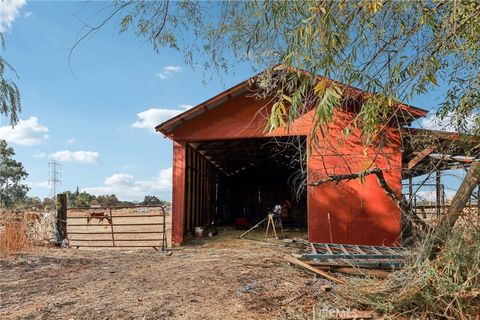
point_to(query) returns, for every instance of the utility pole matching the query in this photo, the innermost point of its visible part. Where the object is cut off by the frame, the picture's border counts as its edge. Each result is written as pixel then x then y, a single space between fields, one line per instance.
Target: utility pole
pixel 54 181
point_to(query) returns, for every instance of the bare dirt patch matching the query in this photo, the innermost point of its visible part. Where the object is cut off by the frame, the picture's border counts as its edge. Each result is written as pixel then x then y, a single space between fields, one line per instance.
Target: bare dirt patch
pixel 223 278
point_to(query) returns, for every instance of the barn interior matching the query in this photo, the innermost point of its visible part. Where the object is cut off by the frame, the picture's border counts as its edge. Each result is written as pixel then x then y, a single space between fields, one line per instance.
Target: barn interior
pixel 238 182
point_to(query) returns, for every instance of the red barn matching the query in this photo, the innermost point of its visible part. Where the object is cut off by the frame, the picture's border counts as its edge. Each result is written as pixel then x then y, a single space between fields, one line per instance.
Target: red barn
pixel 227 166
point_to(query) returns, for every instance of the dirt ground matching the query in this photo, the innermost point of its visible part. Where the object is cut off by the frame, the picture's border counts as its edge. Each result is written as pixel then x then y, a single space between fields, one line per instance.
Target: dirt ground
pixel 224 278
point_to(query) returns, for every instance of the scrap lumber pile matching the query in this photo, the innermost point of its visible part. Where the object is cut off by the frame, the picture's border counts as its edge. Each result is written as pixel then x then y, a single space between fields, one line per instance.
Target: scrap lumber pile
pixel 375 261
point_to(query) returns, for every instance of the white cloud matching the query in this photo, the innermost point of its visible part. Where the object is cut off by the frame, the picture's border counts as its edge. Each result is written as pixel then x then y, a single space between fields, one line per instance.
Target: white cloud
pixel 27 132
pixel 71 141
pixel 9 11
pixel 448 123
pixel 39 155
pixel 76 156
pixel 126 187
pixel 27 14
pixel 152 117
pixel 119 179
pixel 42 184
pixel 169 71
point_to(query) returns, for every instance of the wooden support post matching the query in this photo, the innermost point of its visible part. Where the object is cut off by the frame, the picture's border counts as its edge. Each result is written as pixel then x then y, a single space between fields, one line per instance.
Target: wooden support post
pixel 61 217
pixel 197 191
pixel 111 225
pixel 187 226
pixel 194 191
pixel 478 200
pixel 438 190
pixel 164 229
pixel 410 191
pixel 268 227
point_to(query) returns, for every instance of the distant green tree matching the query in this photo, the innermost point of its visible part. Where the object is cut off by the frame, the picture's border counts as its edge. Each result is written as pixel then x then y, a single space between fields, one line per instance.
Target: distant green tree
pixel 107 200
pixel 48 203
pixel 71 197
pixel 12 173
pixel 32 201
pixel 84 199
pixel 151 200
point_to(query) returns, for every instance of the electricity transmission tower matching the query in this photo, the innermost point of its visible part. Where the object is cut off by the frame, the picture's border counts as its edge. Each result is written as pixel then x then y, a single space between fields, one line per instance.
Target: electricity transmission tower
pixel 54 181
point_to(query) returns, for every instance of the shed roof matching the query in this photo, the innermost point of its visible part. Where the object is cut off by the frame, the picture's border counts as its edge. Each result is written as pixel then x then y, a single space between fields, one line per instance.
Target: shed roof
pixel 426 150
pixel 170 125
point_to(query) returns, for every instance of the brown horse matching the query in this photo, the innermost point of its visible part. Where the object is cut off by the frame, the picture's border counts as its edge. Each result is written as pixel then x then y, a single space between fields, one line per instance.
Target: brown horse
pixel 98 215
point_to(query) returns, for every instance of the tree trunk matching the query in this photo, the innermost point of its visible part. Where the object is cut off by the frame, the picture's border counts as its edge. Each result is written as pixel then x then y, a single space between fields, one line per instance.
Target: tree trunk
pixel 444 228
pixel 401 203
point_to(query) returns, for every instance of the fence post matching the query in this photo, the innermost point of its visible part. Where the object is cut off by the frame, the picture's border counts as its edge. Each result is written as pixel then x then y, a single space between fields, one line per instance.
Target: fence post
pixel 111 226
pixel 61 205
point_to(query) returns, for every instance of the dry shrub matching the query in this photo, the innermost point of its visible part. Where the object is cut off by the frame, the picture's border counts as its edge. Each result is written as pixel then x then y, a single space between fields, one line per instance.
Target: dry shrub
pixel 445 288
pixel 13 237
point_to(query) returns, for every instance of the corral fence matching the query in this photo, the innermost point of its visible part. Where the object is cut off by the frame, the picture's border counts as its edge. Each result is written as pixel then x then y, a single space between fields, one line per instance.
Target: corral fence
pixel 117 227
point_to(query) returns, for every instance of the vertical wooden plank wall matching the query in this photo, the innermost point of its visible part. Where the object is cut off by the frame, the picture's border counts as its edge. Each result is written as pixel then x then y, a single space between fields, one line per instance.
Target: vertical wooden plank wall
pixel 199 202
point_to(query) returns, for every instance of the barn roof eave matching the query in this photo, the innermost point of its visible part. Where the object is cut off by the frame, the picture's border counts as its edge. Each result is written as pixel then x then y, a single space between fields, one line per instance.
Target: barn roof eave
pixel 167 127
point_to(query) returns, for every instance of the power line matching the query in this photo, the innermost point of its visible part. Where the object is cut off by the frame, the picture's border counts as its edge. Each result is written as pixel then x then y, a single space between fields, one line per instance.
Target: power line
pixel 55 175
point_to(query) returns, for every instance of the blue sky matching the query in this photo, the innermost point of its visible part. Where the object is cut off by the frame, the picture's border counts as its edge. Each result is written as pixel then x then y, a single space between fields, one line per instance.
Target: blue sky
pixel 97 118
pixel 87 116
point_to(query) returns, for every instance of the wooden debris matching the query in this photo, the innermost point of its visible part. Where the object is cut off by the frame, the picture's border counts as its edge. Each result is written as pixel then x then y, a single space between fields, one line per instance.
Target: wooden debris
pixel 344 315
pixel 381 274
pixel 324 274
pixel 419 157
pixel 293 298
pixel 326 288
pixel 254 227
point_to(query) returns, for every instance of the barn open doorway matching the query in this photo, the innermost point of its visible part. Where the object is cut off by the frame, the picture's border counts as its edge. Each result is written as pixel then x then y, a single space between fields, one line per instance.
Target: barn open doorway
pixel 238 182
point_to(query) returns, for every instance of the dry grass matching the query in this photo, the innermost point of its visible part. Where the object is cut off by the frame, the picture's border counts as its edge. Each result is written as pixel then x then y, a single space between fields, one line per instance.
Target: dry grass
pixel 13 237
pixel 445 288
